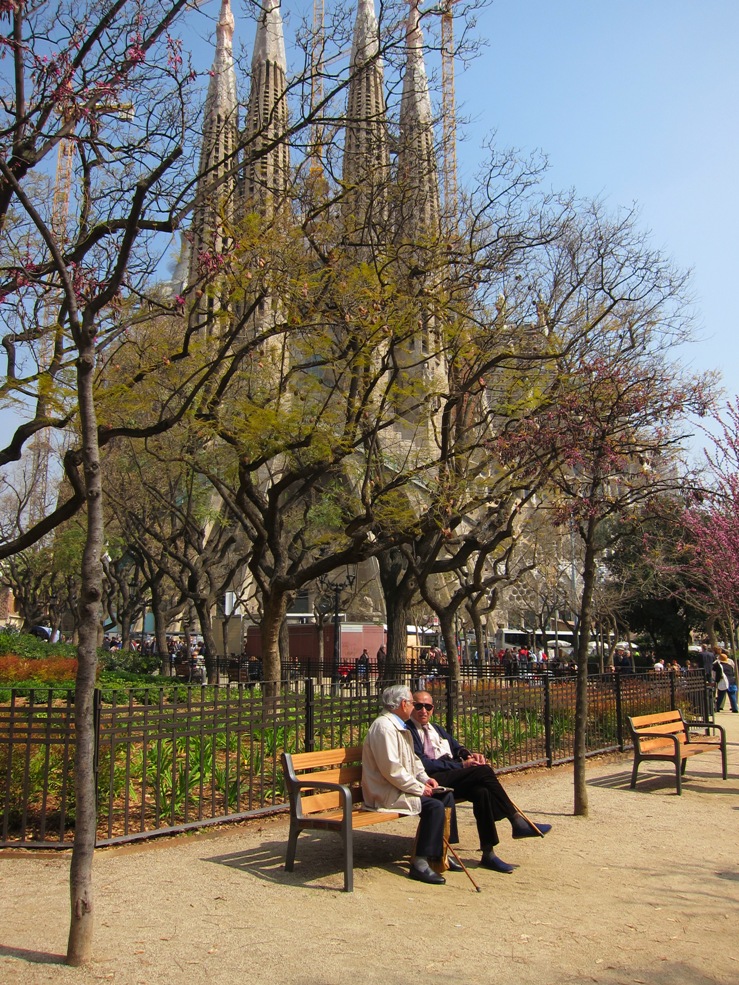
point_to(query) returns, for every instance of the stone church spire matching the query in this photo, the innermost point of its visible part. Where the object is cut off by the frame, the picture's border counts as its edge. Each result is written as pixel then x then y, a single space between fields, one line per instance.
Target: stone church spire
pixel 418 192
pixel 265 146
pixel 366 160
pixel 215 204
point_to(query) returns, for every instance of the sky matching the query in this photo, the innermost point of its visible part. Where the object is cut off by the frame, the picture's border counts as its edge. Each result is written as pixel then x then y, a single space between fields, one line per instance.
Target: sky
pixel 632 102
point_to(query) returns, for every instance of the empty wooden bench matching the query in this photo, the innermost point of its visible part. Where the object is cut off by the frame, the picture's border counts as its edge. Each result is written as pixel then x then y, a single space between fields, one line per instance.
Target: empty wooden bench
pixel 325 791
pixel 668 737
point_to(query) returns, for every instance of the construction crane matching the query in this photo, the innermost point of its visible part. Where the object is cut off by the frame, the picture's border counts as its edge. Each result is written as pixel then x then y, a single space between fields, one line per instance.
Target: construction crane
pixel 448 110
pixel 41 443
pixel 60 203
pixel 316 82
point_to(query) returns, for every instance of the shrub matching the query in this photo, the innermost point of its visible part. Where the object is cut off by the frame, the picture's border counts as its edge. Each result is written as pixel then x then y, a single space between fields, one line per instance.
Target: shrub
pixel 25 645
pixel 15 669
pixel 128 661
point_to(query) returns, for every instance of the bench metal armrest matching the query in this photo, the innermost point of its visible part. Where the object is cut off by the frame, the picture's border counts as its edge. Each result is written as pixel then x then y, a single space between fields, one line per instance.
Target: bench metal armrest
pixel 711 725
pixel 341 788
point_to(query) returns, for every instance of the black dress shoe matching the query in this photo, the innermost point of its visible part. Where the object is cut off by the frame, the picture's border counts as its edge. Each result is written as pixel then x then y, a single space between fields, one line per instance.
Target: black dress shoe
pixel 525 829
pixel 426 875
pixel 491 861
pixel 453 864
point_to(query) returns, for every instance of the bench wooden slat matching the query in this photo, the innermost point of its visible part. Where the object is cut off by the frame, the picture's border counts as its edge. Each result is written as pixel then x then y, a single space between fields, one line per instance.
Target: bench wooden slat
pixel 360 818
pixel 657 718
pixel 314 802
pixel 325 757
pixel 351 775
pixel 666 736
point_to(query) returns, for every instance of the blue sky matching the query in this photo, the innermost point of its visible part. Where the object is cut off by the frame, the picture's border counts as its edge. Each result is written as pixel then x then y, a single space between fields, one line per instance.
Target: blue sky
pixel 632 101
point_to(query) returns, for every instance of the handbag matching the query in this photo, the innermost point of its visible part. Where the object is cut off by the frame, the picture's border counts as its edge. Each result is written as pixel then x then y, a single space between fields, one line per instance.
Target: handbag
pixel 722 683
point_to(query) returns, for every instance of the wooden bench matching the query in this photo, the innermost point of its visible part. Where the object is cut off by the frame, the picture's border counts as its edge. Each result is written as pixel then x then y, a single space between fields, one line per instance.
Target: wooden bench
pixel 668 737
pixel 325 791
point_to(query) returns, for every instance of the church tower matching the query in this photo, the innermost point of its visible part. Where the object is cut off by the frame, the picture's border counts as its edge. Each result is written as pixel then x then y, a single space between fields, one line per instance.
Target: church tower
pixel 416 223
pixel 366 164
pixel 417 209
pixel 215 197
pixel 267 159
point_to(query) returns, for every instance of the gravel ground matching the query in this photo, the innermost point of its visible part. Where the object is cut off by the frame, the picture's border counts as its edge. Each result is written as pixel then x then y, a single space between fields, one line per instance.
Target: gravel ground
pixel 644 890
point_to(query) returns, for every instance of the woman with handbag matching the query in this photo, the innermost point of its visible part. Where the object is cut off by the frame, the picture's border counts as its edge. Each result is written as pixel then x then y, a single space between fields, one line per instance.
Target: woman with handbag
pixel 725 675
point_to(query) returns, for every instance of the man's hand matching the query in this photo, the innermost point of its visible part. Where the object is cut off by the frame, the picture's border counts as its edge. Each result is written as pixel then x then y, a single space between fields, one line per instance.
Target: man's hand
pixel 431 785
pixel 475 759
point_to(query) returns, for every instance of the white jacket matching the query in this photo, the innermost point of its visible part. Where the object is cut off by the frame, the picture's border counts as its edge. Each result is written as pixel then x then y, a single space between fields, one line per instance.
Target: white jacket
pixel 393 776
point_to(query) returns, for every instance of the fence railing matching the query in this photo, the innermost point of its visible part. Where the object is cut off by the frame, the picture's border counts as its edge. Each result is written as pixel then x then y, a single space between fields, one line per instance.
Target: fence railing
pixel 171 758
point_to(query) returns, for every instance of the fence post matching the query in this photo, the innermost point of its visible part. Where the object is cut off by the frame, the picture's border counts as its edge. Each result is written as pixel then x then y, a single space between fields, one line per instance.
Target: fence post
pixel 310 735
pixel 97 700
pixel 709 704
pixel 549 751
pixel 673 695
pixel 619 716
pixel 449 704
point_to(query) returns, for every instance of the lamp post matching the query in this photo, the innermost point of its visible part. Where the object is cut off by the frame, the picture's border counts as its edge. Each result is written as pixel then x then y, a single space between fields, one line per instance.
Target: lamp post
pixel 340 585
pixel 335 677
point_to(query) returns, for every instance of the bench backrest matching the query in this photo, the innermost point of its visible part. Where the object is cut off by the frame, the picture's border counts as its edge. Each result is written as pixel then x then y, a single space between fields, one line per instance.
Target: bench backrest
pixel 327 766
pixel 663 722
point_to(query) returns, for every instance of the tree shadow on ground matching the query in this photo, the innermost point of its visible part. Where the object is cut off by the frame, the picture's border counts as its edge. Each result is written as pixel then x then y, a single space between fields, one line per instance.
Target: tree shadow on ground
pixel 32 957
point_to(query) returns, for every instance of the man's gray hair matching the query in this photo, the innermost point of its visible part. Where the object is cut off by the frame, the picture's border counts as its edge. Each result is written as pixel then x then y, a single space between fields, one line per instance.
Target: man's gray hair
pixel 393 696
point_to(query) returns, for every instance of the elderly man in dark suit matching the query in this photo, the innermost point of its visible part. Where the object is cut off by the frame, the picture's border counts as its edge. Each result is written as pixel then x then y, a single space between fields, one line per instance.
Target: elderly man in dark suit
pixel 470 776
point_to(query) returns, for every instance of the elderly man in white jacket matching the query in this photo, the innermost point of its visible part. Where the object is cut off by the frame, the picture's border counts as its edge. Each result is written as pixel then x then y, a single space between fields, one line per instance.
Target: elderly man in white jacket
pixel 393 779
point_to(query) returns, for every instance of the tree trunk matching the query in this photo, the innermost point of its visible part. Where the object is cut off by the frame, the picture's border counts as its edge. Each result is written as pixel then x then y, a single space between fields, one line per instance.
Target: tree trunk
pixel 581 702
pixel 446 625
pixel 203 607
pixel 79 946
pixel 275 607
pixel 284 644
pixel 160 631
pixel 397 588
pixel 477 626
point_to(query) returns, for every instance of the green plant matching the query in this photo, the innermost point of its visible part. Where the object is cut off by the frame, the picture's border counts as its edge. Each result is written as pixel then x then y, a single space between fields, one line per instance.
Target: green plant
pixel 30 648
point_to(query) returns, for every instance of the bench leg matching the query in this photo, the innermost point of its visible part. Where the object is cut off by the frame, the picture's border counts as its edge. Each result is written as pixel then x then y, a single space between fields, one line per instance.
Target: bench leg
pixel 348 840
pixel 679 770
pixel 292 844
pixel 634 772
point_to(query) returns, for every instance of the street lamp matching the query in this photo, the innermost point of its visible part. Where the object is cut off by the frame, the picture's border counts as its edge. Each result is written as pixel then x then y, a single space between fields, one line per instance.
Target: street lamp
pixel 340 585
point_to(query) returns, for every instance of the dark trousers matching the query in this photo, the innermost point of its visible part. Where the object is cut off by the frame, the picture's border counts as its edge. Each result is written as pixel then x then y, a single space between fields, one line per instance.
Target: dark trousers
pixel 430 842
pixel 490 802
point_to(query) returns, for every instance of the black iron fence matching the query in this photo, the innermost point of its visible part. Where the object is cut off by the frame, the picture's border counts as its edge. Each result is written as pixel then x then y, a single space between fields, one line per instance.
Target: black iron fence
pixel 175 757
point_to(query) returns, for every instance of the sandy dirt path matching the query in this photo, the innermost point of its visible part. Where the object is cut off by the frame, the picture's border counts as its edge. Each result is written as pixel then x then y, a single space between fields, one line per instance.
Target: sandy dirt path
pixel 645 890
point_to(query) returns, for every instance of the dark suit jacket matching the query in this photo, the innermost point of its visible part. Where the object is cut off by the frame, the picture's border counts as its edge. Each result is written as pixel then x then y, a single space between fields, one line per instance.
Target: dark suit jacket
pixel 437 765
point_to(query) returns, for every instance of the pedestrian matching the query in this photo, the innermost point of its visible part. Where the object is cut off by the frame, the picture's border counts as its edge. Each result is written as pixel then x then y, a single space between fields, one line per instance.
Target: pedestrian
pixel 724 672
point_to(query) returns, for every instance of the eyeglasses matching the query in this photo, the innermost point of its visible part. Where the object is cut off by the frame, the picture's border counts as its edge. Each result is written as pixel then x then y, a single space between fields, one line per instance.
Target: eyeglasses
pixel 418 705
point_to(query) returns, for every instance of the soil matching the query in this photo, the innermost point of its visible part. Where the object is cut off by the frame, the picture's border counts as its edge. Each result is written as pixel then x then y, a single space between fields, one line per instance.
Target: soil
pixel 644 890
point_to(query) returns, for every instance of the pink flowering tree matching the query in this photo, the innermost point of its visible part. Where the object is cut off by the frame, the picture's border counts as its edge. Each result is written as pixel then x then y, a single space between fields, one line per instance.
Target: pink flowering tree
pixel 712 525
pixel 606 438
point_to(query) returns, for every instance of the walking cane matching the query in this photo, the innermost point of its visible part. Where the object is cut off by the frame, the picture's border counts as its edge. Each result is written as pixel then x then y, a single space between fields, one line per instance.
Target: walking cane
pixel 460 862
pixel 533 824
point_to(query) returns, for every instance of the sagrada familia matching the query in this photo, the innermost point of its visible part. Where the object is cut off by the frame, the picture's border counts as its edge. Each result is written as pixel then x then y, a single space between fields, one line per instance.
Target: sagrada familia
pixel 246 168
pixel 384 189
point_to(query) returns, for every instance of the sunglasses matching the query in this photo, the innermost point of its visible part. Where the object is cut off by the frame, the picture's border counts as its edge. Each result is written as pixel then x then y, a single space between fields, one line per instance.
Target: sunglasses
pixel 418 705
